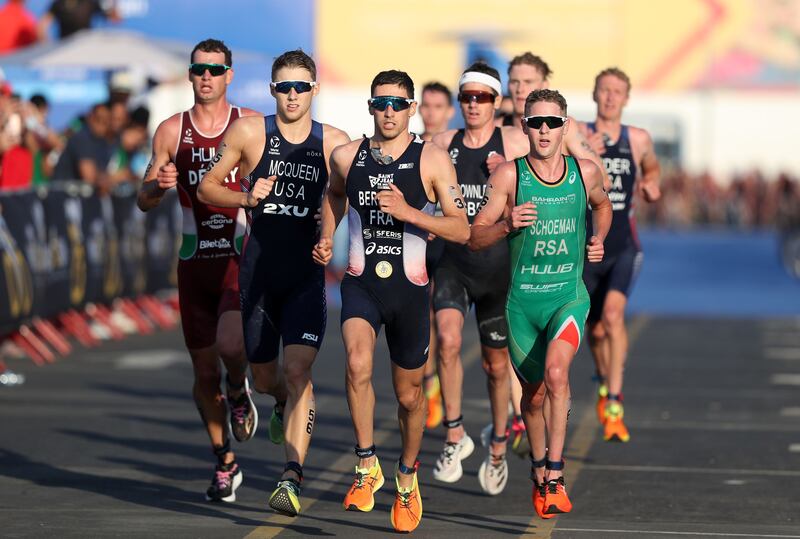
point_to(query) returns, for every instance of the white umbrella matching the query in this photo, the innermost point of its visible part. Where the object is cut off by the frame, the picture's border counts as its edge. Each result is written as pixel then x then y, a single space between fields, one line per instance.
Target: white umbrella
pixel 110 50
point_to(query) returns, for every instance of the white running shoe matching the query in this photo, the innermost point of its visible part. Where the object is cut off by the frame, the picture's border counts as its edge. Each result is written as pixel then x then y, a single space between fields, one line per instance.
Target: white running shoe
pixel 493 475
pixel 448 466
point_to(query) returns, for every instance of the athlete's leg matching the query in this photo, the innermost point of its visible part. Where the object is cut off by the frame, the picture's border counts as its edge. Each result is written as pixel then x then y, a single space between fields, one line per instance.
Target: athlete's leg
pixel 614 324
pixel 516 391
pixel 230 344
pixel 496 363
pixel 299 410
pixel 450 323
pixel 209 398
pixel 410 414
pixel 359 343
pixel 559 356
pixel 431 385
pixel 599 346
pixel 533 399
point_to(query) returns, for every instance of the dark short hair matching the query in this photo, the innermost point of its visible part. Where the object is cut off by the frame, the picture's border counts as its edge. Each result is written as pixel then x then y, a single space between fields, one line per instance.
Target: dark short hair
pixel 295 58
pixel 614 72
pixel 482 67
pixel 438 87
pixel 39 101
pixel 213 45
pixel 140 116
pixel 393 76
pixel 531 60
pixel 548 96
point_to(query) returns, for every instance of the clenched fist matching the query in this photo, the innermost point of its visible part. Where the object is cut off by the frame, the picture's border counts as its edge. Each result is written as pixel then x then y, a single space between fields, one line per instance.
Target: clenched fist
pixel 260 190
pixel 323 251
pixel 167 176
pixel 595 250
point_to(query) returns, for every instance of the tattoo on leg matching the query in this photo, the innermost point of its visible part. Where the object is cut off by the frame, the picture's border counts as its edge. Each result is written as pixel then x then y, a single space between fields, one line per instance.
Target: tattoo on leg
pixel 456 196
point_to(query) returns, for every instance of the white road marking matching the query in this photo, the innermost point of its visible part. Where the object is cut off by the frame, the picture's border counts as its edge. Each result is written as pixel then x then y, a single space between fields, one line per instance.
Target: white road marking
pixel 785 379
pixel 789 354
pixel 792 411
pixel 647 533
pixel 794 448
pixel 151 360
pixel 690 470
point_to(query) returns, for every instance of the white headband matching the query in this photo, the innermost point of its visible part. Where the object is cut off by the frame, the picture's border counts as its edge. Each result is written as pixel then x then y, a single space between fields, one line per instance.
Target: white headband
pixel 481 78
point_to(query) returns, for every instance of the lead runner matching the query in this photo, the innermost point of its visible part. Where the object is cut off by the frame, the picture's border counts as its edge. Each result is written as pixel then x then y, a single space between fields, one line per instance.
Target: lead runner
pixel 391 183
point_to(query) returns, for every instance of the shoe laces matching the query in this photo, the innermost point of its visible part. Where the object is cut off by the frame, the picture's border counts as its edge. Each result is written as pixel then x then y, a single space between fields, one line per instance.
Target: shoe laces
pixel 290 484
pixel 554 484
pixel 405 499
pixel 240 409
pixel 517 426
pixel 448 451
pixel 222 478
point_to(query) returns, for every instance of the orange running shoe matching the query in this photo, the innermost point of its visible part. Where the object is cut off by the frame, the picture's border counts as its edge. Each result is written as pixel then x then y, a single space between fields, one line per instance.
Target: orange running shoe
pixel 613 428
pixel 361 496
pixel 407 508
pixel 556 500
pixel 435 407
pixel 537 497
pixel 602 399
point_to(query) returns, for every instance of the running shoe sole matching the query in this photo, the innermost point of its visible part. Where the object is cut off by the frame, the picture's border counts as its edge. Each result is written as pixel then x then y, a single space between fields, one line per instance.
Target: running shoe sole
pixel 282 502
pixel 255 416
pixel 481 477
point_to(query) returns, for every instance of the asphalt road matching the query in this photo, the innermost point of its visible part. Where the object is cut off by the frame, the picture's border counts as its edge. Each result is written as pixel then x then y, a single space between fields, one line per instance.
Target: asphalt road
pixel 107 443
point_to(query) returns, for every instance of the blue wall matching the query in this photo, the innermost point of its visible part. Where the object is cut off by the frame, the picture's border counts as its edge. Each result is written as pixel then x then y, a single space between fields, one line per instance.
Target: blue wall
pixel 714 273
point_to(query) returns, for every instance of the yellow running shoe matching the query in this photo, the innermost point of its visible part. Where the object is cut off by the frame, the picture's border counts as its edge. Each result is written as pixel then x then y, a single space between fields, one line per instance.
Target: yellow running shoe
pixel 407 508
pixel 613 428
pixel 286 498
pixel 361 496
pixel 435 407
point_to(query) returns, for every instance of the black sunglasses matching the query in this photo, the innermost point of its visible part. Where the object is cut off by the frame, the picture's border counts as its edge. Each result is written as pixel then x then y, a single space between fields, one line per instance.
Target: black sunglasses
pixel 553 122
pixel 286 86
pixel 397 103
pixel 215 69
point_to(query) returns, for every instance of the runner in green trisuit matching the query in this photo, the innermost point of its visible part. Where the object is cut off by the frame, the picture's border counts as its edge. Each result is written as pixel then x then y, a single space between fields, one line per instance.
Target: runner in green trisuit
pixel 542 200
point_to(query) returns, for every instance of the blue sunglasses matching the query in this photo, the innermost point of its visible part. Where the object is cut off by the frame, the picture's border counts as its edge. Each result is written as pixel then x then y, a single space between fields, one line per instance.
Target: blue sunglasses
pixel 397 103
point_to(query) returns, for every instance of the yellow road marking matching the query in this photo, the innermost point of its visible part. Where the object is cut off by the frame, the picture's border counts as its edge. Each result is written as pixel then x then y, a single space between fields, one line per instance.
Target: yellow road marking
pixel 580 443
pixel 333 476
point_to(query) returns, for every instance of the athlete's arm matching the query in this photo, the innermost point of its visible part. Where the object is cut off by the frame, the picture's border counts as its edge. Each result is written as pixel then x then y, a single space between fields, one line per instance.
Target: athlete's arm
pixel 334 203
pixel 578 147
pixel 212 190
pixel 437 172
pixel 488 227
pixel 601 208
pixel 161 174
pixel 651 169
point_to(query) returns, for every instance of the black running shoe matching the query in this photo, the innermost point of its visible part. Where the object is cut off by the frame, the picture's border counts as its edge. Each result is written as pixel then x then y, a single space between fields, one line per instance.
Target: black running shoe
pixel 227 478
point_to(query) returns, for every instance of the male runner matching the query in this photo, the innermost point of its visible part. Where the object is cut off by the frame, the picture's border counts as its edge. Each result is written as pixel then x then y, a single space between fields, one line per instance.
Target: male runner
pixel 282 290
pixel 436 109
pixel 545 195
pixel 528 72
pixel 464 278
pixel 391 183
pixel 627 154
pixel 208 289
